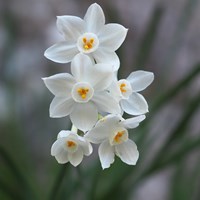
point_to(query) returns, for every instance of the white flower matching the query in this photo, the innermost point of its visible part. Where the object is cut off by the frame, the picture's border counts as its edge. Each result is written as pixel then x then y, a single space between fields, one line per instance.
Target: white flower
pixel 70 147
pixel 126 92
pixel 111 132
pixel 89 36
pixel 82 95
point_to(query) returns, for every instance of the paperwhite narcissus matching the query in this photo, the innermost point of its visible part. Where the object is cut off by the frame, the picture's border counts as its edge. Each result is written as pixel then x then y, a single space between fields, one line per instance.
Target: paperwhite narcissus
pixel 90 36
pixel 126 92
pixel 111 132
pixel 82 95
pixel 70 147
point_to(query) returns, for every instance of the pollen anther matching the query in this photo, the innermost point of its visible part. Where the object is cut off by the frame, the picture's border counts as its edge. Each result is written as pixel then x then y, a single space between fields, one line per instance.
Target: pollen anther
pixel 118 137
pixel 83 92
pixel 122 86
pixel 88 44
pixel 70 144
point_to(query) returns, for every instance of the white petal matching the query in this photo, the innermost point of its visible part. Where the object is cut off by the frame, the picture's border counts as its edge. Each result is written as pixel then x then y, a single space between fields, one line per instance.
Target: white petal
pixel 98 134
pixel 132 122
pixel 102 55
pixel 94 18
pixel 85 146
pixel 99 76
pixel 102 76
pixel 127 151
pixel 62 52
pixel 62 157
pixel 62 134
pixel 84 116
pixel 115 91
pixel 140 80
pixel 79 67
pixel 57 147
pixel 61 107
pixel 106 154
pixel 112 36
pixel 60 84
pixel 76 157
pixel 106 103
pixel 70 27
pixel 135 105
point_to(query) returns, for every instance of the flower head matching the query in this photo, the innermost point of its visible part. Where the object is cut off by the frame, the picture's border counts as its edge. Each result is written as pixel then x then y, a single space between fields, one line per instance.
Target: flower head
pixel 70 147
pixel 90 36
pixel 126 92
pixel 112 133
pixel 82 95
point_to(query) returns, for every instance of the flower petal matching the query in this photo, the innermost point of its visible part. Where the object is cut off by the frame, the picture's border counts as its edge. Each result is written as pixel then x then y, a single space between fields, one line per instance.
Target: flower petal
pixel 85 146
pixel 135 105
pixel 102 76
pixel 63 134
pixel 84 116
pixel 112 36
pixel 99 76
pixel 56 148
pixel 98 134
pixel 62 157
pixel 106 103
pixel 60 84
pixel 102 55
pixel 94 18
pixel 61 107
pixel 70 27
pixel 59 152
pixel 80 66
pixel 62 52
pixel 76 157
pixel 127 151
pixel 132 122
pixel 140 80
pixel 106 154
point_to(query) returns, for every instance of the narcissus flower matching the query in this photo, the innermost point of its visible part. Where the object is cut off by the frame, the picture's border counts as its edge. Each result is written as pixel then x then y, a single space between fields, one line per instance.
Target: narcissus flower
pixel 90 36
pixel 82 95
pixel 112 133
pixel 70 147
pixel 126 92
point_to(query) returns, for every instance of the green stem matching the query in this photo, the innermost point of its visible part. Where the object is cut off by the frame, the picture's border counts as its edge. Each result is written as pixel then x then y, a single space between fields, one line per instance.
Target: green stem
pixel 16 172
pixel 56 186
pixel 164 98
pixel 8 191
pixel 74 129
pixel 191 146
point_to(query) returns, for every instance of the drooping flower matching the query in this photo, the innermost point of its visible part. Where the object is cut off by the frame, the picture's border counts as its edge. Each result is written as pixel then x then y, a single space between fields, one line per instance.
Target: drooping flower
pixel 111 131
pixel 90 36
pixel 70 147
pixel 126 92
pixel 82 95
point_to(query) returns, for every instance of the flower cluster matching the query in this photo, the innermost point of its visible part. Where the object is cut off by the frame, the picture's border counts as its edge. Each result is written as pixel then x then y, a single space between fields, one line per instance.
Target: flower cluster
pixel 91 95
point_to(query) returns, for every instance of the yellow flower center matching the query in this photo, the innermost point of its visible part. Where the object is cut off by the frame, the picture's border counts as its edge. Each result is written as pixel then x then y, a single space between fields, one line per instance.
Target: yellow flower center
pixel 88 44
pixel 83 92
pixel 70 144
pixel 122 86
pixel 118 137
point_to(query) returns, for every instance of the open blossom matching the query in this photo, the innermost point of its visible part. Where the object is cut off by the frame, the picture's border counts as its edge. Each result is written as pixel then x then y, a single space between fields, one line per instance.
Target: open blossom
pixel 70 147
pixel 126 92
pixel 90 36
pixel 112 133
pixel 82 95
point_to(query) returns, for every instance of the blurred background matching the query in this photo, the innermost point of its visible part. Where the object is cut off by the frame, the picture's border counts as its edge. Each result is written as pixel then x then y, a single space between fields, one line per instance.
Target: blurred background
pixel 163 37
